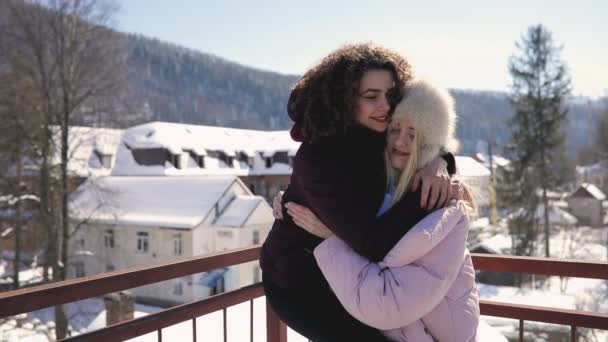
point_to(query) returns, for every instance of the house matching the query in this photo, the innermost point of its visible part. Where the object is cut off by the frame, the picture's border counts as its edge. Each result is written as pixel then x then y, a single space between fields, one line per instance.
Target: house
pixel 586 203
pixel 595 174
pixel 477 177
pixel 262 159
pixel 123 222
pixel 91 153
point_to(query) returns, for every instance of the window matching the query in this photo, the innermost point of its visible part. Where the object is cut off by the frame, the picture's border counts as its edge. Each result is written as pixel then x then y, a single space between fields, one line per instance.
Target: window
pixel 81 242
pixel 108 238
pixel 225 233
pixel 178 288
pixel 79 269
pixel 256 237
pixel 151 156
pixel 142 242
pixel 200 160
pixel 106 161
pixel 177 244
pixel 176 160
pixel 268 162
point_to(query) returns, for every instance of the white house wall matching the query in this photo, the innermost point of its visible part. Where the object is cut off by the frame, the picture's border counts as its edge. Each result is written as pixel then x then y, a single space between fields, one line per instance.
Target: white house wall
pixel 124 255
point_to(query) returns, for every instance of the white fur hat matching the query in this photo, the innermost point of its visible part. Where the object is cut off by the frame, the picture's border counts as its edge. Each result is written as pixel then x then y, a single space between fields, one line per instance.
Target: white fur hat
pixel 431 111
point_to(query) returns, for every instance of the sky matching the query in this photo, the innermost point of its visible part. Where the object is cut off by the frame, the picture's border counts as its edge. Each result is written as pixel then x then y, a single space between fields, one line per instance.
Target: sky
pixel 459 44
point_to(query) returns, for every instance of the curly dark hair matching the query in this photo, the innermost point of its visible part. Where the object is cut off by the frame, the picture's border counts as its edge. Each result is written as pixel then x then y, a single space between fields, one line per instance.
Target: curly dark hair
pixel 323 101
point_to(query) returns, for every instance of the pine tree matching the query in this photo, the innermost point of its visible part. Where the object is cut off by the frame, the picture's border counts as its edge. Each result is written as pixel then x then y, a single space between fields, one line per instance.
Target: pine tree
pixel 602 133
pixel 540 84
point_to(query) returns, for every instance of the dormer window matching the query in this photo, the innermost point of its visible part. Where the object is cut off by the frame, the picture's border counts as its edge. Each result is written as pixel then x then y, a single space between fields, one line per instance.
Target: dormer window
pixel 104 159
pixel 176 160
pixel 268 162
pixel 230 161
pixel 246 159
pixel 150 156
pixel 199 159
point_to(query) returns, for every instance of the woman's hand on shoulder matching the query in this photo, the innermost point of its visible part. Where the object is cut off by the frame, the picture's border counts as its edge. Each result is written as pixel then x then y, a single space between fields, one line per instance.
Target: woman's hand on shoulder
pixel 307 220
pixel 435 190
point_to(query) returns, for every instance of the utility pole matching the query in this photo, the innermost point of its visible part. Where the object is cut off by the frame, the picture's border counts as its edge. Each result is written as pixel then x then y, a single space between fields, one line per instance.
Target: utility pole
pixel 494 212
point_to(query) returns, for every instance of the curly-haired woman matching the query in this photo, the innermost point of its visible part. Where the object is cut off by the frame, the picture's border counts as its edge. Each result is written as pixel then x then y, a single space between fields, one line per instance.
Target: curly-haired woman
pixel 341 109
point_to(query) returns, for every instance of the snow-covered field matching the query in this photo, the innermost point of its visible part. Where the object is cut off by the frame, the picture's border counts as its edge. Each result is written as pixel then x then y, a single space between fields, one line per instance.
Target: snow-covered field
pixel 90 315
pixel 582 243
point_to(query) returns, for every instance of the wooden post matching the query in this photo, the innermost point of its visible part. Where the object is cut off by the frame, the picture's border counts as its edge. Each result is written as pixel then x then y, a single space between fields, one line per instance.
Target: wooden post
pixel 276 330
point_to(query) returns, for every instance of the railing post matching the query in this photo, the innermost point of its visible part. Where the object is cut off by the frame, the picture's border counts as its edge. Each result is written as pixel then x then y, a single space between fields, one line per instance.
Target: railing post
pixel 276 330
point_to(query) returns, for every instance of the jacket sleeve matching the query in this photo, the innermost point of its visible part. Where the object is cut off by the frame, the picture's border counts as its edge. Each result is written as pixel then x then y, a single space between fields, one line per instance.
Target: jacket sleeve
pixel 391 297
pixel 350 216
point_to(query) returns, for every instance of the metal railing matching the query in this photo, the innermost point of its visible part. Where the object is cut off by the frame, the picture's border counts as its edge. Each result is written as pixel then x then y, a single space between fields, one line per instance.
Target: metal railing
pixel 39 297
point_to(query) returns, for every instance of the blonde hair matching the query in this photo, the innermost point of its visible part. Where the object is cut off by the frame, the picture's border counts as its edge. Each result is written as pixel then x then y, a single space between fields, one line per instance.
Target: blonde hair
pixel 404 178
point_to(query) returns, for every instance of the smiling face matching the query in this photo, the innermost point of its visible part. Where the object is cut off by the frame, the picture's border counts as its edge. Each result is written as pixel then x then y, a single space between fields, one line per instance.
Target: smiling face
pixel 401 141
pixel 373 104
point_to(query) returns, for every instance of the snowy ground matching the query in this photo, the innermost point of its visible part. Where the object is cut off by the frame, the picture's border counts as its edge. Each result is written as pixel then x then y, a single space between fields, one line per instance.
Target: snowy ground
pixel 90 315
pixel 26 276
pixel 582 243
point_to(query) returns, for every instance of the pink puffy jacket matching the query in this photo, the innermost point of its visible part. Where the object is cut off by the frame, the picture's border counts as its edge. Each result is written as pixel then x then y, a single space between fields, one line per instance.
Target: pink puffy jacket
pixel 423 290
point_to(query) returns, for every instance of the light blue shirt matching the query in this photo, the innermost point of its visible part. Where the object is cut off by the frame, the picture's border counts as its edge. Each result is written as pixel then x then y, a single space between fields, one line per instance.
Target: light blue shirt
pixel 388 201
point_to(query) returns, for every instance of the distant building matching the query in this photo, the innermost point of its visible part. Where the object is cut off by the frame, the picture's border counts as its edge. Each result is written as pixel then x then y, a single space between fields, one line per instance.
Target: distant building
pixel 595 174
pixel 586 203
pixel 262 159
pixel 477 177
pixel 125 222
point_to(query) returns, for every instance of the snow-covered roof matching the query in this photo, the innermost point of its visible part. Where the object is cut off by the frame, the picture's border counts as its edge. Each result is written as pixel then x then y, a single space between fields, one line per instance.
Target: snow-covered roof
pixel 591 190
pixel 86 147
pixel 178 202
pixel 181 139
pixel 556 215
pixel 238 211
pixel 496 160
pixel 84 142
pixel 497 244
pixel 469 167
pixel 600 168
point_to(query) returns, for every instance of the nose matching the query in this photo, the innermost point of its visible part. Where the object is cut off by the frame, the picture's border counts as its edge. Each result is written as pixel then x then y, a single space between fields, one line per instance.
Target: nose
pixel 383 104
pixel 403 140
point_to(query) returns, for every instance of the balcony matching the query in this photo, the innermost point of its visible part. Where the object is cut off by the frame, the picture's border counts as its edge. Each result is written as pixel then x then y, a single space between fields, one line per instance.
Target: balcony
pixel 48 295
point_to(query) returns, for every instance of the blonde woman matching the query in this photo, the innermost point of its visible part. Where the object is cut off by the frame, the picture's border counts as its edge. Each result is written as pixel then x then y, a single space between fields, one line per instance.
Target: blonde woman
pixel 424 288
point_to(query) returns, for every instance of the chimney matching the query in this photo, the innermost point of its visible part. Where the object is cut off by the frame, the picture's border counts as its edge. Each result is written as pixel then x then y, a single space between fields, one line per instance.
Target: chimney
pixel 119 307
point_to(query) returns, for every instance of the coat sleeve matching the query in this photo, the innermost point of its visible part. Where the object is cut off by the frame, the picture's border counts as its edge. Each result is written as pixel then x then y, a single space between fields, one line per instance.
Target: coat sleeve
pixel 391 297
pixel 329 193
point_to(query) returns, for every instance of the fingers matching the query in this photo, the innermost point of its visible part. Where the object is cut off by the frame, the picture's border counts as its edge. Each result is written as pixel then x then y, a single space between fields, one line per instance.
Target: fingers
pixel 445 192
pixel 302 217
pixel 416 182
pixel 277 209
pixel 426 186
pixel 298 211
pixel 435 192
